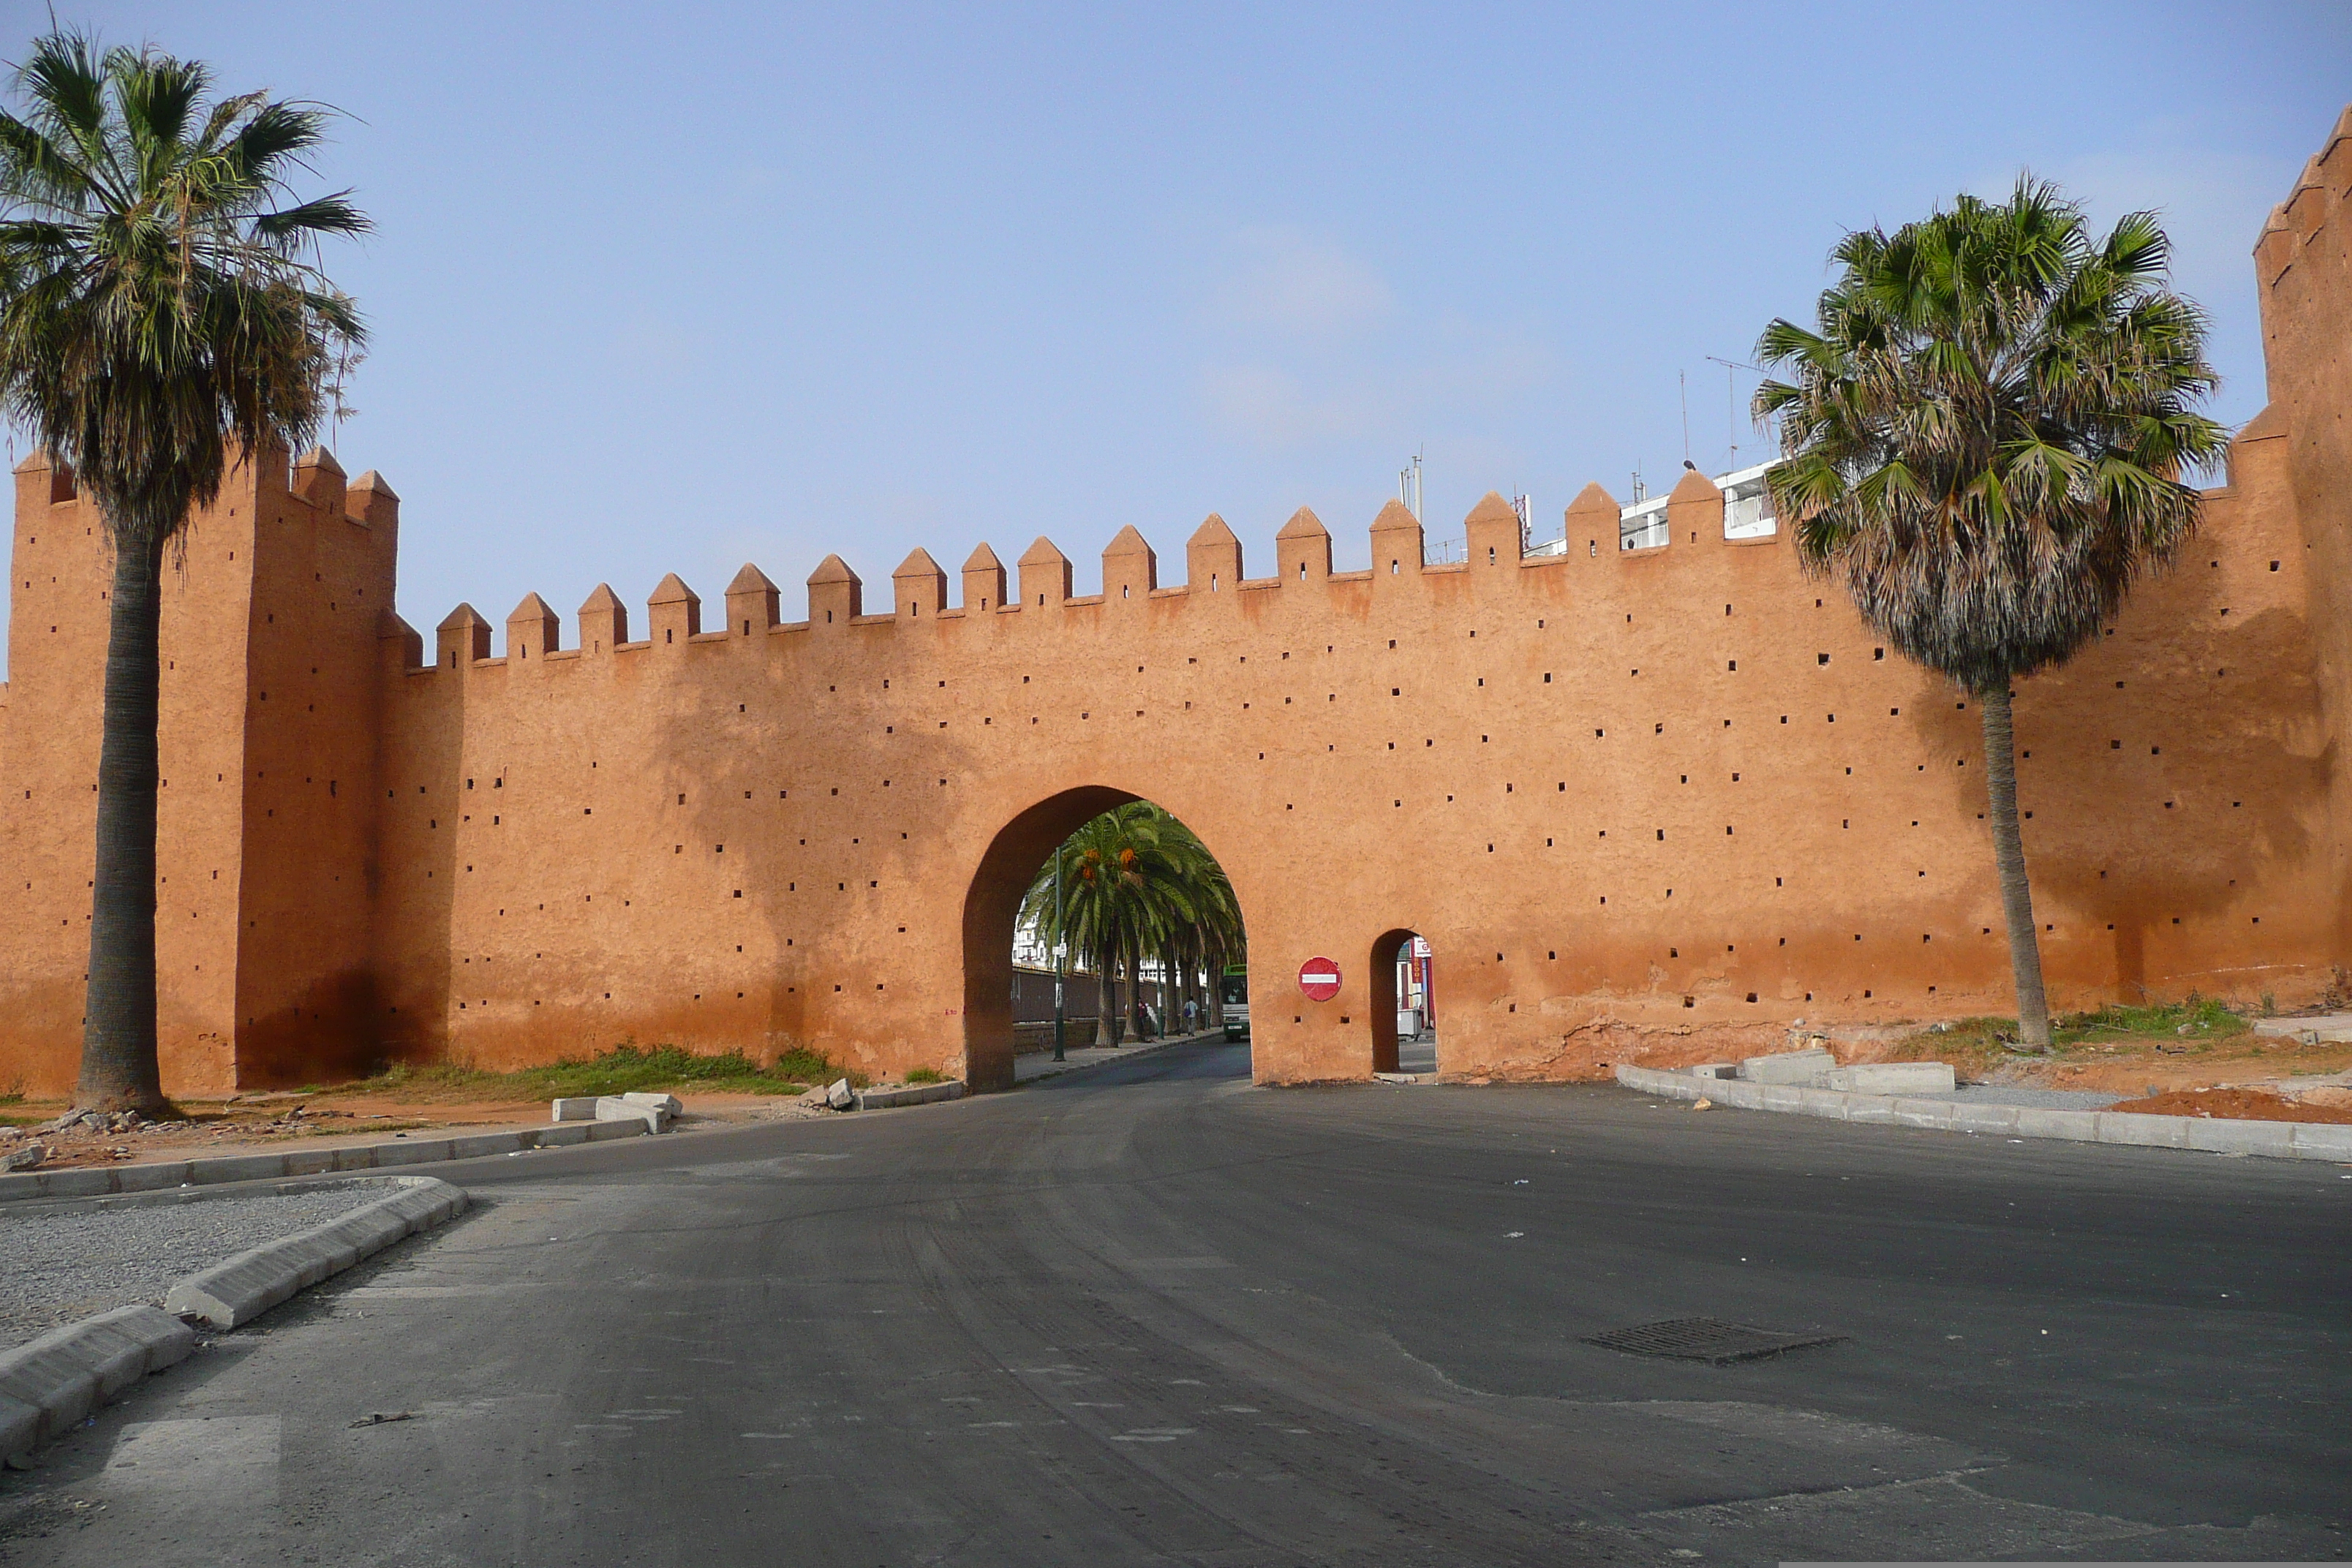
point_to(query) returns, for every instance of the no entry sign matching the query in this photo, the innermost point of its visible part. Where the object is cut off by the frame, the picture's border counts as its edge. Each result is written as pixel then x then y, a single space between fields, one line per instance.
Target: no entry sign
pixel 1319 978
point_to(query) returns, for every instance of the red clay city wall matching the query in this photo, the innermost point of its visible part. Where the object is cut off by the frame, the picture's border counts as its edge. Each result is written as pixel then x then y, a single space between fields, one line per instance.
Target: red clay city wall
pixel 2304 267
pixel 269 730
pixel 1627 796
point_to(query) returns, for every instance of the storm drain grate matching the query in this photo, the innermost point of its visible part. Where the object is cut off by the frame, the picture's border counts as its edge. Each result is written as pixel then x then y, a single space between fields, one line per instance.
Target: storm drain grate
pixel 1705 1339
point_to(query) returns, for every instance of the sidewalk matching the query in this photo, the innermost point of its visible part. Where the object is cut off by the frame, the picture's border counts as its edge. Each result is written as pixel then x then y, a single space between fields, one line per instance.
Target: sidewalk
pixel 1034 1065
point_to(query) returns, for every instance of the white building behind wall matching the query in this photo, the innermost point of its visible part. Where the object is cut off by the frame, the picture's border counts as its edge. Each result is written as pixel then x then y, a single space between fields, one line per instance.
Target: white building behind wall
pixel 1747 514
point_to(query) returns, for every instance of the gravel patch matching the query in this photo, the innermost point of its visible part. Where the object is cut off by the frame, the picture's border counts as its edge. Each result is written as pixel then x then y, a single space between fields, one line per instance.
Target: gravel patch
pixel 2042 1099
pixel 60 1266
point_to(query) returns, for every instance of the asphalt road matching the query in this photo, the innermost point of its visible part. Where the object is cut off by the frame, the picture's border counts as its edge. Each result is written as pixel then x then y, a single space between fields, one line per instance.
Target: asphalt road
pixel 1152 1314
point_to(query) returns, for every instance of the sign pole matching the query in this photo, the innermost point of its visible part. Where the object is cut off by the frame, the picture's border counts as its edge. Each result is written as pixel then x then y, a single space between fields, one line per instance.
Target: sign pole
pixel 1061 956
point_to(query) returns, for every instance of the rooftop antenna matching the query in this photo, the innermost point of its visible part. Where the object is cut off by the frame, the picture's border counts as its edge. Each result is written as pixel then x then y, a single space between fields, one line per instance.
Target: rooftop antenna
pixel 1641 491
pixel 1730 400
pixel 1526 509
pixel 1409 487
pixel 1682 380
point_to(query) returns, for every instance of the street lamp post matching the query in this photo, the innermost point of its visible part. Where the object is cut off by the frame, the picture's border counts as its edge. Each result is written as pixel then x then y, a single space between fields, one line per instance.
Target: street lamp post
pixel 1061 956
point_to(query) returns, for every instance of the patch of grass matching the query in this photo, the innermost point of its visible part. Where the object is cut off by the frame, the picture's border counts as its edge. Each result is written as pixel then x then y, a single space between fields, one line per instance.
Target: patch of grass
pixel 924 1075
pixel 14 1094
pixel 1976 1046
pixel 2203 1018
pixel 624 1068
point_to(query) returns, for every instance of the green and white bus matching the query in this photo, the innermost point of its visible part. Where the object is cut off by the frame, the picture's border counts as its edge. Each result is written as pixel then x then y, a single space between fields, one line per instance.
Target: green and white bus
pixel 1235 994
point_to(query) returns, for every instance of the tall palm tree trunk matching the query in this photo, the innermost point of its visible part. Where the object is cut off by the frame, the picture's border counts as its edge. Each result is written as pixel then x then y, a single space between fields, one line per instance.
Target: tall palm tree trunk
pixel 2009 858
pixel 1105 1007
pixel 119 1070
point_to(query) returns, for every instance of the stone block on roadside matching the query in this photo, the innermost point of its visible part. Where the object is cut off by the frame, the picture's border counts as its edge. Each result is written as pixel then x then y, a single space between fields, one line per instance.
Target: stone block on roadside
pixel 669 1105
pixel 1787 1066
pixel 840 1096
pixel 579 1108
pixel 616 1108
pixel 1890 1078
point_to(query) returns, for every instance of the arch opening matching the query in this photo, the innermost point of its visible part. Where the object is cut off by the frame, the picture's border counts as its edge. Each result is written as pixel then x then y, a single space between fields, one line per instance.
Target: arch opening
pixel 1147 923
pixel 1403 974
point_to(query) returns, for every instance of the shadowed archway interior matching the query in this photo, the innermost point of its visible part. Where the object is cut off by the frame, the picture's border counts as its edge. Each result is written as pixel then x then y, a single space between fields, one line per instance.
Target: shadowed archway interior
pixel 1381 973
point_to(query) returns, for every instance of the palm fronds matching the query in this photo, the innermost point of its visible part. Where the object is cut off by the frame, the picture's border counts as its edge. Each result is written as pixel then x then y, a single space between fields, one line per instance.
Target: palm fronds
pixel 1137 885
pixel 156 316
pixel 1988 432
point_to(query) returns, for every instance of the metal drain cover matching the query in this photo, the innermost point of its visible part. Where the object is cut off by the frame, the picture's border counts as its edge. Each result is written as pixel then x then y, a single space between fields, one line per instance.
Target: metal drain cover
pixel 1705 1339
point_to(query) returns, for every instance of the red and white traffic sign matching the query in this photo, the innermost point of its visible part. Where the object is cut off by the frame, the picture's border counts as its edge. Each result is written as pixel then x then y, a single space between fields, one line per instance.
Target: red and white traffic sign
pixel 1319 978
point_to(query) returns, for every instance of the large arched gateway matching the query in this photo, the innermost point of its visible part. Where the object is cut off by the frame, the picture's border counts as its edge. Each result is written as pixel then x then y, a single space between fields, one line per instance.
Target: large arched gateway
pixel 1623 792
pixel 1005 871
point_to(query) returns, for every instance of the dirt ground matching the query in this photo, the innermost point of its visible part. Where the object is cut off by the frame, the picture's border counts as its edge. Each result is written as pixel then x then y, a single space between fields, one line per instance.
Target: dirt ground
pixel 2236 1074
pixel 2282 1078
pixel 2240 1105
pixel 253 1123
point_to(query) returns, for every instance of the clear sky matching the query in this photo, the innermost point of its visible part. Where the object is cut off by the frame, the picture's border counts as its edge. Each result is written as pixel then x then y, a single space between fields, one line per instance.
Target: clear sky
pixel 672 287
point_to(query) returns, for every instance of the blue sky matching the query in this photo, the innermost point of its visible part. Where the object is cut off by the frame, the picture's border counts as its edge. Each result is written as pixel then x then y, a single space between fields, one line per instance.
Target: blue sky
pixel 669 287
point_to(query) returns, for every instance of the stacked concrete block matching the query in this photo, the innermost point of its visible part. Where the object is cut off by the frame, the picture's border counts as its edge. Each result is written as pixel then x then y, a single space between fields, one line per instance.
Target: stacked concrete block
pixel 1786 1066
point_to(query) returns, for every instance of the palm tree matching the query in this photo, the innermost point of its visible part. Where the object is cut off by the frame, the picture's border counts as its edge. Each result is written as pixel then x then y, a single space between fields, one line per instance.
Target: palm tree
pixel 155 313
pixel 1984 437
pixel 1137 884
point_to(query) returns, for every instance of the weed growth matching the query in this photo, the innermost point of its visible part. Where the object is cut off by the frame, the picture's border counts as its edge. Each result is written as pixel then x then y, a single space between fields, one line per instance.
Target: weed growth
pixel 620 1070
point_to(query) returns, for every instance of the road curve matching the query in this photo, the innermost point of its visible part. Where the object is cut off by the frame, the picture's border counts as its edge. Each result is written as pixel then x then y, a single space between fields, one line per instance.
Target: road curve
pixel 1153 1314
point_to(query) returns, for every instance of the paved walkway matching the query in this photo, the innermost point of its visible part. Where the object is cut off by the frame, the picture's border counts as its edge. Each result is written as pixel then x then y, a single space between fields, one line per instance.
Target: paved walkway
pixel 1040 1064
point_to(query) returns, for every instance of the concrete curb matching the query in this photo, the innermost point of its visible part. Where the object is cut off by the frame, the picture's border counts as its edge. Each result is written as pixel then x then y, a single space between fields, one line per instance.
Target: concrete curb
pixel 911 1094
pixel 231 1294
pixel 50 1386
pixel 2212 1135
pixel 96 1181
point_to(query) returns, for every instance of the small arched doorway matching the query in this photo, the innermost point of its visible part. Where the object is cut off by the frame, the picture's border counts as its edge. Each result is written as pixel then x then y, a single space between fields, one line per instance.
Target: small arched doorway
pixel 1155 979
pixel 1403 972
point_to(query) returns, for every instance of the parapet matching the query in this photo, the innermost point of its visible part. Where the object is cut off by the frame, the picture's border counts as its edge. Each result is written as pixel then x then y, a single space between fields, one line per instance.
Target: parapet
pixel 462 638
pixel 532 628
pixel 918 587
pixel 1044 574
pixel 1130 567
pixel 1212 557
pixel 1694 514
pixel 836 594
pixel 1302 550
pixel 2317 198
pixel 983 581
pixel 751 602
pixel 675 612
pixel 603 621
pixel 319 479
